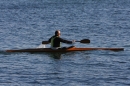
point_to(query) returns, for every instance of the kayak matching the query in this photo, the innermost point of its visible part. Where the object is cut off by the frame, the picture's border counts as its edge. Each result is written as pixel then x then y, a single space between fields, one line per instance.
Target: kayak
pixel 62 49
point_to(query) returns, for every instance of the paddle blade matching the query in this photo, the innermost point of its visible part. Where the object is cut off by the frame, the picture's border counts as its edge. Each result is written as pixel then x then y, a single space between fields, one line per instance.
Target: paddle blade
pixel 45 42
pixel 85 41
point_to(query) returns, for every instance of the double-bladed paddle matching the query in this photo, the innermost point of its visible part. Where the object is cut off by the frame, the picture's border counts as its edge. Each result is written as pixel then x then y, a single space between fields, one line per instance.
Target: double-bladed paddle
pixel 84 41
pixel 81 41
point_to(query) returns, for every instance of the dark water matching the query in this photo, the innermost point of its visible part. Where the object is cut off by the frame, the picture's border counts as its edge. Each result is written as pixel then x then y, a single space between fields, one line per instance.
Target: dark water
pixel 25 23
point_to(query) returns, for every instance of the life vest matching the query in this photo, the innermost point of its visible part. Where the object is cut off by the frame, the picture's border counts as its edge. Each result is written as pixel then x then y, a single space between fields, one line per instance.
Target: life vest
pixel 52 41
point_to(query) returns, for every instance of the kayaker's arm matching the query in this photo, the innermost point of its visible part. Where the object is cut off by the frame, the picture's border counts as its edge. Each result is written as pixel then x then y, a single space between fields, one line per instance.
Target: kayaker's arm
pixel 46 42
pixel 66 41
pixel 49 40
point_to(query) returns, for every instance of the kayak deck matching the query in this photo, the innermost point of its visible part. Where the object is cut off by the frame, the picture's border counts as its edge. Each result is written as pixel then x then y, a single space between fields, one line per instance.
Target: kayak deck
pixel 62 50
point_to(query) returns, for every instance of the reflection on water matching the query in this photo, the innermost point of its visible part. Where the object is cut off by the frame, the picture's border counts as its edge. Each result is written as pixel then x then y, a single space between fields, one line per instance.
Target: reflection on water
pixel 56 55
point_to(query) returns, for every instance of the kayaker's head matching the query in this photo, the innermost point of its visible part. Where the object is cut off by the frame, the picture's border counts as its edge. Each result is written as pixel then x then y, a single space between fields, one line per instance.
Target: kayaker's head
pixel 57 33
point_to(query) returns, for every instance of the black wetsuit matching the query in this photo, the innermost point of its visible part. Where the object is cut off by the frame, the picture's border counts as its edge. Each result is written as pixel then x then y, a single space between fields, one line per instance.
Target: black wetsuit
pixel 55 41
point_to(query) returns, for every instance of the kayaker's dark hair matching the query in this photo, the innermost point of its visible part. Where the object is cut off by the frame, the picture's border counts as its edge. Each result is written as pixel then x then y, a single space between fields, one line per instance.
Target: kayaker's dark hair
pixel 56 32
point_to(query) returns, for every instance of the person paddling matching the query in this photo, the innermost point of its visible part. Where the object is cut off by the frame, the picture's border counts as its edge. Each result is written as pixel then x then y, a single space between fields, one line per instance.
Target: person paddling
pixel 56 40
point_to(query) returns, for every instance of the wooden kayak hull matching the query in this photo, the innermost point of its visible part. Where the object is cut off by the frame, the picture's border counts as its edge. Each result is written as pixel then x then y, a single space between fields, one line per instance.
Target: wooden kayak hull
pixel 62 50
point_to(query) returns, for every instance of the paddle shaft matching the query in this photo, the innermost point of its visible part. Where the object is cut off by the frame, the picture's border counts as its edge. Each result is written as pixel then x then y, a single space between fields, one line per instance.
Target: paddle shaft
pixel 81 41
